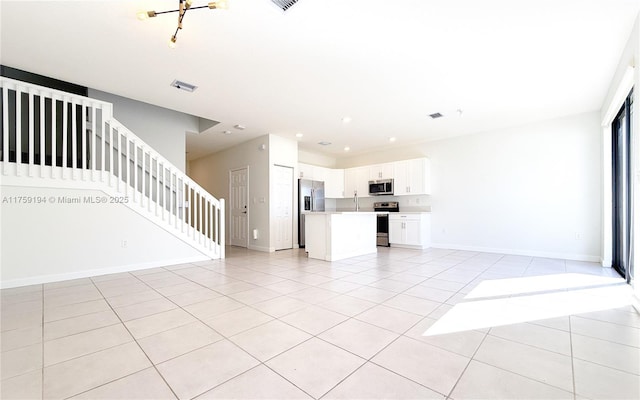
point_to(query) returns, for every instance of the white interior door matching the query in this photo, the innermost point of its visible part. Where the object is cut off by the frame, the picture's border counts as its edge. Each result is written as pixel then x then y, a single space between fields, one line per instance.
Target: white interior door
pixel 239 211
pixel 283 207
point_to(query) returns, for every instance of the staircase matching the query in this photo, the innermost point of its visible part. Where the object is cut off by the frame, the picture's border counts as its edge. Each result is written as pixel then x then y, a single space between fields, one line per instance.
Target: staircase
pixel 54 139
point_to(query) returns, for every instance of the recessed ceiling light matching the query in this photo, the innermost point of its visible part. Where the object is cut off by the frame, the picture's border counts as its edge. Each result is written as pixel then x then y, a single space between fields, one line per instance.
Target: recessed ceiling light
pixel 436 115
pixel 324 143
pixel 346 120
pixel 392 139
pixel 227 132
pixel 299 135
pixel 239 127
pixel 347 148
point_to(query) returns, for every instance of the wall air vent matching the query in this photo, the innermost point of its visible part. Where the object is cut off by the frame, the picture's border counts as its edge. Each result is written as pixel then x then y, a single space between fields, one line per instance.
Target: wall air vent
pixel 183 86
pixel 284 4
pixel 436 115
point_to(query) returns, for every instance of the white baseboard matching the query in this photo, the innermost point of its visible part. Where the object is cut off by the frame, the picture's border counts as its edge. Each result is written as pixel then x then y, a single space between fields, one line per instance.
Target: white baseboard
pixel 517 252
pixel 37 280
pixel 261 248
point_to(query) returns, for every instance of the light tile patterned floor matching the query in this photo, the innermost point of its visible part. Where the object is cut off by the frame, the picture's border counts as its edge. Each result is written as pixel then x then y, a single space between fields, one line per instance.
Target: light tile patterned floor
pixel 281 326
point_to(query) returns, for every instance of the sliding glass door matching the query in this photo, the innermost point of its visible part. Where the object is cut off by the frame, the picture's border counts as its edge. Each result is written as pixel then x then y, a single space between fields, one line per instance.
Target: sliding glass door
pixel 622 180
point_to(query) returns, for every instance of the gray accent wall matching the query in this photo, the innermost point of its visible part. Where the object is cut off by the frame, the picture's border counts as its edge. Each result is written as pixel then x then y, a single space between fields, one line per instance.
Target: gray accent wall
pixel 161 128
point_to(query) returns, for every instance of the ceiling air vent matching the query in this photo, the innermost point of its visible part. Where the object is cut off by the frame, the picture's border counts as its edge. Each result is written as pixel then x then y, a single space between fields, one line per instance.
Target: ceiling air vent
pixel 436 115
pixel 284 4
pixel 183 86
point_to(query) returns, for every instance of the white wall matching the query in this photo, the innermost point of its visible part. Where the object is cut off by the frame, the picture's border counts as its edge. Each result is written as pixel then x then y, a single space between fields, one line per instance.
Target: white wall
pixel 533 189
pixel 322 160
pixel 54 241
pixel 162 129
pixel 212 173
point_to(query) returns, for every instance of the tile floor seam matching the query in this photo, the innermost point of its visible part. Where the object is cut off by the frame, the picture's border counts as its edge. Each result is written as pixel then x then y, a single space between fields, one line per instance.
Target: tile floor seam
pixel 607 366
pixel 605 340
pixel 524 376
pixel 143 352
pixel 86 354
pixel 573 368
pixel 342 380
pixel 75 316
pixel 370 359
pixel 525 344
pixel 453 388
pixel 608 322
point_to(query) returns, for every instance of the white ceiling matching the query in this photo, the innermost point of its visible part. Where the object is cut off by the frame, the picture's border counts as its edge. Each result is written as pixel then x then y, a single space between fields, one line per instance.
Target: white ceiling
pixel 386 64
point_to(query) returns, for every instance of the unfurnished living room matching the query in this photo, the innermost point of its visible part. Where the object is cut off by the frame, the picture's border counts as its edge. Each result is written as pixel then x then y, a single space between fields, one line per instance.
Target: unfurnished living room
pixel 303 199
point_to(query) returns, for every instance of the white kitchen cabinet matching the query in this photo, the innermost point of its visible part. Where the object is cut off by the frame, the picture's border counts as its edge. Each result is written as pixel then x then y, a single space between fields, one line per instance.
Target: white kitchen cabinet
pixel 412 177
pixel 334 185
pixel 305 171
pixel 321 174
pixel 381 171
pixel 411 230
pixel 356 180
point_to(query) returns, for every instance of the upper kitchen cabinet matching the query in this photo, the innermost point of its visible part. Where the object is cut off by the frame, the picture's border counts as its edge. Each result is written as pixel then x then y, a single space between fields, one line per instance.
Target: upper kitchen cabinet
pixel 356 180
pixel 381 171
pixel 333 178
pixel 412 177
pixel 305 171
pixel 334 185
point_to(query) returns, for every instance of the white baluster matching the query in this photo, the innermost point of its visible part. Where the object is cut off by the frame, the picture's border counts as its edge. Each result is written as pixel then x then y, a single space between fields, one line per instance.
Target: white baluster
pixel 84 139
pixel 5 129
pixel 157 169
pixel 170 190
pixel 43 152
pixel 94 134
pixel 65 134
pixel 135 170
pixel 74 140
pixel 104 145
pixel 18 130
pixel 54 134
pixel 221 228
pixel 144 168
pixel 31 145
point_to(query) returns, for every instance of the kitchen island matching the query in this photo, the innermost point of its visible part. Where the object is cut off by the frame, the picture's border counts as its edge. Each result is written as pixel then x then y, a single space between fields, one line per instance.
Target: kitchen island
pixel 333 236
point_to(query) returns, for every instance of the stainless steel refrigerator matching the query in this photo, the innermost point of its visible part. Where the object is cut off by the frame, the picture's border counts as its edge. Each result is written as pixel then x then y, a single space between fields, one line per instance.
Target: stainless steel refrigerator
pixel 310 199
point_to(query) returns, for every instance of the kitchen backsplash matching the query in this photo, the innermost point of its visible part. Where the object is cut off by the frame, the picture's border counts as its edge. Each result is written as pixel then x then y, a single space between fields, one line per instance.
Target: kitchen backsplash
pixel 407 203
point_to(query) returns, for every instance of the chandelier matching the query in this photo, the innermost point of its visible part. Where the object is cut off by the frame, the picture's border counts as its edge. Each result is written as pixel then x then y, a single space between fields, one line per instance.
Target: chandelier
pixel 183 6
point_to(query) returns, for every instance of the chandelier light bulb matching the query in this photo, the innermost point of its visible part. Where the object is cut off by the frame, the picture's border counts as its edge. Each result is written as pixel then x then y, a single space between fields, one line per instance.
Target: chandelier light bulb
pixel 142 15
pixel 219 5
pixel 172 42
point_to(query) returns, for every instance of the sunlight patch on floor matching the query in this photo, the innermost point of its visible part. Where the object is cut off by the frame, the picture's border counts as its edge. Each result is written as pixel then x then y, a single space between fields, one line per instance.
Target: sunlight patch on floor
pixel 563 300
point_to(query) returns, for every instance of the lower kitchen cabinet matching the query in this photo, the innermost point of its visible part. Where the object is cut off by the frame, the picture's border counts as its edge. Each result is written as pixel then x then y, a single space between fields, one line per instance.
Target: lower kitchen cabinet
pixel 411 230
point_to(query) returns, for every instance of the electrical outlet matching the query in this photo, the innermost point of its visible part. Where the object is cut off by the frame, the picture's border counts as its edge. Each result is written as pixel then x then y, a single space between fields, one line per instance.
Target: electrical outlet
pixel 578 236
pixel 124 244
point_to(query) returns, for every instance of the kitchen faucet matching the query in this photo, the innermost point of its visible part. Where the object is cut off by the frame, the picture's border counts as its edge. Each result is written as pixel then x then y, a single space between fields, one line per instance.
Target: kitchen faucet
pixel 355 200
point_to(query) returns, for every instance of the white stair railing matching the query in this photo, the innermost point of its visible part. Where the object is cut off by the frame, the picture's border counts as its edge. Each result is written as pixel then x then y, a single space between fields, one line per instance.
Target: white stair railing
pixel 49 134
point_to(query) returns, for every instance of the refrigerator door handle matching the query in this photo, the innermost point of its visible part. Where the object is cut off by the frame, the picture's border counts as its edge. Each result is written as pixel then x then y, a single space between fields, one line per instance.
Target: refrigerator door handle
pixel 313 200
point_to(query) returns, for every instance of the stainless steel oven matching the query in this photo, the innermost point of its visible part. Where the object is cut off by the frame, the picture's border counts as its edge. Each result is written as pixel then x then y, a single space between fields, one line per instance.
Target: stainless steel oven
pixel 383 209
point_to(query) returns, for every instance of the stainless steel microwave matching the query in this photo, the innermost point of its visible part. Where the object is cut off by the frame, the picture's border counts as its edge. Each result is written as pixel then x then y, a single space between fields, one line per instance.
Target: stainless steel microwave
pixel 380 187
